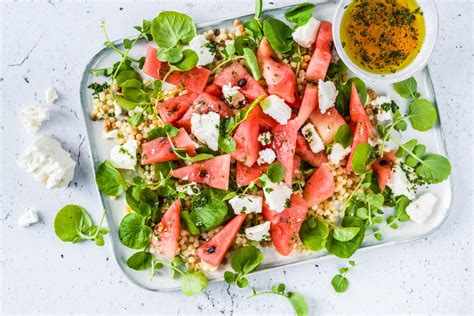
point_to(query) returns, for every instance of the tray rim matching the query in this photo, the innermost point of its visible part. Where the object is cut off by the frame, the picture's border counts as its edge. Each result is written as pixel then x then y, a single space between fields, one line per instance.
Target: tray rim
pixel 309 260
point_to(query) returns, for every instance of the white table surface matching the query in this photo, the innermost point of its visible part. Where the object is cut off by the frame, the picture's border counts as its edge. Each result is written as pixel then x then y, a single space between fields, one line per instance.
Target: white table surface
pixel 49 43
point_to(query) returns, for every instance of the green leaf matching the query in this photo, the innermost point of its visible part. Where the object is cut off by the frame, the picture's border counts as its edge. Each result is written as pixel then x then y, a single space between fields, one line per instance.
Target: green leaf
pixel 410 145
pixel 242 42
pixel 242 282
pixel 71 223
pixel 109 180
pixel 299 303
pixel 207 211
pixel 193 282
pixel 345 249
pixel 136 119
pixel 400 208
pixel 258 8
pixel 360 86
pixel 155 133
pixel 246 259
pixel 434 169
pixel 253 27
pixel 172 54
pixel 300 14
pixel 344 136
pixel 127 74
pixel 279 35
pixel 229 52
pixel 314 233
pixel 188 62
pixel 134 94
pixel 419 151
pixel 124 103
pixel 171 28
pixel 226 143
pixel 407 88
pixel 229 277
pixel 171 130
pixel 340 283
pixel 132 83
pixel 252 63
pixel 360 158
pixel 127 44
pixel 133 231
pixel 422 114
pixel 345 233
pixel 190 225
pixel 344 93
pixel 140 260
pixel 276 172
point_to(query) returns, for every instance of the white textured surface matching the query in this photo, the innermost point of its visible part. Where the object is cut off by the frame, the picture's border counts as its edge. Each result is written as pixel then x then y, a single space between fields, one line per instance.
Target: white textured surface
pixel 48 44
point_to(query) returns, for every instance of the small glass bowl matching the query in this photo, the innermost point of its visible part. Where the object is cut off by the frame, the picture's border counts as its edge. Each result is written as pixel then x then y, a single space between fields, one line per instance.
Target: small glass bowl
pixel 430 14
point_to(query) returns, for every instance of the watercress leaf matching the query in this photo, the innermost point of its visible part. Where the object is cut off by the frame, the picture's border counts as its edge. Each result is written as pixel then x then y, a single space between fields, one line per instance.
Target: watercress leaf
pixel 71 223
pixel 171 130
pixel 109 180
pixel 344 135
pixel 258 8
pixel 140 260
pixel 208 212
pixel 378 236
pixel 360 158
pixel 131 201
pixel 360 86
pixel 407 88
pixel 134 94
pixel 171 28
pixel 400 126
pixel 99 240
pixel 155 133
pixel 253 27
pixel 314 233
pixel 193 282
pixel 144 209
pixel 127 74
pixel 133 231
pixel 132 83
pixel 252 63
pixel 229 196
pixel 434 169
pixel 400 208
pixel 276 172
pixel 124 103
pixel 375 201
pixel 229 277
pixel 345 233
pixel 299 303
pixel 226 143
pixel 410 145
pixel 242 282
pixel 419 151
pixel 127 43
pixel 199 157
pixel 242 42
pixel 136 119
pixel 345 249
pixel 422 114
pixel 176 264
pixel 279 35
pixel 158 85
pixel 246 259
pixel 340 283
pixel 229 51
pixel 190 225
pixel 300 14
pixel 171 55
pixel 281 288
pixel 188 62
pixel 362 213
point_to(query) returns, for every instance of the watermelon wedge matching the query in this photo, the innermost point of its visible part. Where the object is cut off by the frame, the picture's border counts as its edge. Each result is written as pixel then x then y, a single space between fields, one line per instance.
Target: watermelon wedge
pixel 319 187
pixel 152 66
pixel 284 144
pixel 245 174
pixel 264 51
pixel 360 136
pixel 173 109
pixel 214 90
pixel 160 150
pixel 357 111
pixel 383 168
pixel 265 122
pixel 296 166
pixel 286 225
pixel 305 153
pixel 213 172
pixel 168 231
pixel 319 63
pixel 194 80
pixel 246 140
pixel 213 251
pixel 327 124
pixel 308 105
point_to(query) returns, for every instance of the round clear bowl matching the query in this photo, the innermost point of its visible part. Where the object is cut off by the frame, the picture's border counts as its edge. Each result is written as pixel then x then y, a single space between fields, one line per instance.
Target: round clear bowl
pixel 430 14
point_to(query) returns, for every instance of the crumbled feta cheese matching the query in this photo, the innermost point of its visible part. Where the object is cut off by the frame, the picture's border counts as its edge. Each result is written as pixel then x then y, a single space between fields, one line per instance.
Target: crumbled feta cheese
pixel 29 217
pixel 136 110
pixel 305 35
pixel 276 107
pixel 381 100
pixel 277 196
pixel 312 137
pixel 246 204
pixel 265 138
pixel 338 152
pixel 399 183
pixel 33 116
pixel 48 162
pixel 421 208
pixel 51 95
pixel 327 94
pixel 117 109
pixel 266 156
pixel 124 156
pixel 203 49
pixel 206 128
pixel 259 232
pixel 111 134
pixel 188 189
pixel 384 114
pixel 232 95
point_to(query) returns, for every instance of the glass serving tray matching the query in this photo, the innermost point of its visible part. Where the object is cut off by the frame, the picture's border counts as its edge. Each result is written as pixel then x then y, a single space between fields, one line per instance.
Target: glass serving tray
pixel 100 148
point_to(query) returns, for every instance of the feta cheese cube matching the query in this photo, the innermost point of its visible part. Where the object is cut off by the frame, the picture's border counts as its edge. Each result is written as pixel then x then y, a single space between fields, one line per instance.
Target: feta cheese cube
pixel 305 35
pixel 48 163
pixel 265 138
pixel 203 49
pixel 276 108
pixel 338 153
pixel 51 95
pixel 232 95
pixel 206 128
pixel 246 204
pixel 384 113
pixel 327 94
pixel 29 217
pixel 259 232
pixel 266 156
pixel 124 156
pixel 399 183
pixel 421 208
pixel 312 137
pixel 277 196
pixel 33 116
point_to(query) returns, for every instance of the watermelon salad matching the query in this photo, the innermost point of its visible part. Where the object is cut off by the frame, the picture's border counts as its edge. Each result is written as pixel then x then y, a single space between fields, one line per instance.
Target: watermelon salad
pixel 228 141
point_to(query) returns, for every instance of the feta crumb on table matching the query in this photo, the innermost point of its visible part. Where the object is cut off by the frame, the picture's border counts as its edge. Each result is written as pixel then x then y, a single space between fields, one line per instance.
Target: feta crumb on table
pixel 51 95
pixel 33 116
pixel 277 196
pixel 305 35
pixel 232 95
pixel 124 156
pixel 277 108
pixel 338 152
pixel 266 156
pixel 246 204
pixel 28 218
pixel 312 137
pixel 48 162
pixel 206 128
pixel 258 232
pixel 421 208
pixel 203 49
pixel 327 94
